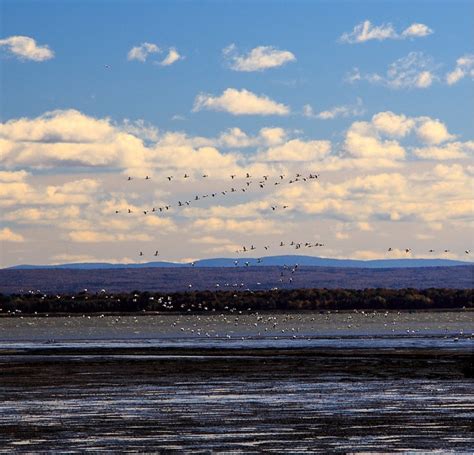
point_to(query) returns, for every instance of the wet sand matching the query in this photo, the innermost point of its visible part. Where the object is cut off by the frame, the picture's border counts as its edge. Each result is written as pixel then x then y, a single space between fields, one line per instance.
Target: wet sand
pixel 250 383
pixel 244 400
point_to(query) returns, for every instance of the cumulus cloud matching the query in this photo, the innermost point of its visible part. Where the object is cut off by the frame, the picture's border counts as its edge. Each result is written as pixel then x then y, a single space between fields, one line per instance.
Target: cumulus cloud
pixel 258 59
pixel 416 30
pixel 432 131
pixel 236 138
pixel 82 210
pixel 141 52
pixel 16 176
pixel 172 57
pixel 255 225
pixel 335 112
pixel 240 102
pixel 464 67
pixel 140 129
pixel 443 195
pixel 26 48
pixel 297 150
pixel 71 139
pixel 393 124
pixel 100 236
pixel 74 140
pixel 366 139
pixel 363 141
pixel 22 192
pixel 68 138
pixel 366 31
pixel 416 70
pixel 7 235
pixel 450 151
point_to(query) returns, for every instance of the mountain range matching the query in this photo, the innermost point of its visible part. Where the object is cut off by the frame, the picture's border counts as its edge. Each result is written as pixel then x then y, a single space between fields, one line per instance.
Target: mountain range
pixel 266 261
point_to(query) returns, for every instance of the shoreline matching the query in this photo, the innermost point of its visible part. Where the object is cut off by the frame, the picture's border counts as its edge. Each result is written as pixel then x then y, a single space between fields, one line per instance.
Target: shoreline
pixel 99 314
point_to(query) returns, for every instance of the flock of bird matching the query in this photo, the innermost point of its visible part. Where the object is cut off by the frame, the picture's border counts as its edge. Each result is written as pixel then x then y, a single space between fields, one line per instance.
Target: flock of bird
pixel 246 324
pixel 300 245
pixel 248 183
pixel 409 250
pixel 265 248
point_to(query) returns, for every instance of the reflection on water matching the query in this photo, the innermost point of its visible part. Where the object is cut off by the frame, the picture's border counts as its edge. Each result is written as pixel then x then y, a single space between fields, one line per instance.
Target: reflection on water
pixel 161 384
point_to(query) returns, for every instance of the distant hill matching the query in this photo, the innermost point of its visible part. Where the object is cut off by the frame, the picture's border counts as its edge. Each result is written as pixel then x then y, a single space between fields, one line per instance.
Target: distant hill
pixel 183 278
pixel 266 261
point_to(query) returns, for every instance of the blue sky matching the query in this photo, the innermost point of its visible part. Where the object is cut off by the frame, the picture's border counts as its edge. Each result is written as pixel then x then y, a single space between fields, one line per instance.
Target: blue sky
pixel 87 35
pixel 90 74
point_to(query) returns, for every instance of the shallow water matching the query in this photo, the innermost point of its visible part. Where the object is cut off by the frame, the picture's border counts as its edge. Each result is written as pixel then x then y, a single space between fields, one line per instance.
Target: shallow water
pixel 113 384
pixel 372 329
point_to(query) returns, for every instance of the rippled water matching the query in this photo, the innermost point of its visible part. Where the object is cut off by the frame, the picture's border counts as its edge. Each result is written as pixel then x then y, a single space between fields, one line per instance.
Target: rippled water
pixel 113 384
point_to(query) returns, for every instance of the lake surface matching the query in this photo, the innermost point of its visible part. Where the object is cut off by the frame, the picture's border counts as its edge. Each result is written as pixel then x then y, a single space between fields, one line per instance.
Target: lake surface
pixel 248 383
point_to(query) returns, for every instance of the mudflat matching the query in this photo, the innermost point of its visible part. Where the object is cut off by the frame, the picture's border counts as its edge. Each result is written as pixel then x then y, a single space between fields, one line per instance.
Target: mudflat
pixel 273 382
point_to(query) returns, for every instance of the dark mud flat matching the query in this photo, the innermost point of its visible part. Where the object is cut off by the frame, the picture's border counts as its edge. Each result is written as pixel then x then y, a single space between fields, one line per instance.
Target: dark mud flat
pixel 241 401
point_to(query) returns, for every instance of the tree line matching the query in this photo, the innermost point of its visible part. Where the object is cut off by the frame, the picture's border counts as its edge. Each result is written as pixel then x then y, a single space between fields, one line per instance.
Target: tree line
pixel 209 301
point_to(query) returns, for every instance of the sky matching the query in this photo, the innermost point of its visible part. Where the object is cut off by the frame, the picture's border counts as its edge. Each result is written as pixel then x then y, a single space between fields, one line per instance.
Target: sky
pixel 375 98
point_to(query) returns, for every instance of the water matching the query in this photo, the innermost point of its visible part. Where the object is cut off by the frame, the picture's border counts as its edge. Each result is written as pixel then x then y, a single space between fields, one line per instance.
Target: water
pixel 351 329
pixel 113 384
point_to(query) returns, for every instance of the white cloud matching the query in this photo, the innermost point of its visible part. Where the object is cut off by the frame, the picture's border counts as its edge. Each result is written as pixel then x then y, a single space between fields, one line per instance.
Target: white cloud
pixel 140 129
pixel 464 67
pixel 236 138
pixel 68 138
pixel 357 190
pixel 444 195
pixel 363 141
pixel 172 57
pixel 240 102
pixel 101 236
pixel 272 136
pixel 416 70
pixel 210 240
pixel 392 124
pixel 416 30
pixel 413 71
pixel 258 59
pixel 16 176
pixel 297 150
pixel 432 131
pixel 7 235
pixel 366 31
pixel 450 151
pixel 335 112
pixel 78 258
pixel 255 225
pixel 142 51
pixel 26 48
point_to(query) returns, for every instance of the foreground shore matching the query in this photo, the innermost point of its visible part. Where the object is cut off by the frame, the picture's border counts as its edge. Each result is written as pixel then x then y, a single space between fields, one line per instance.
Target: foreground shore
pixel 291 382
pixel 248 400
